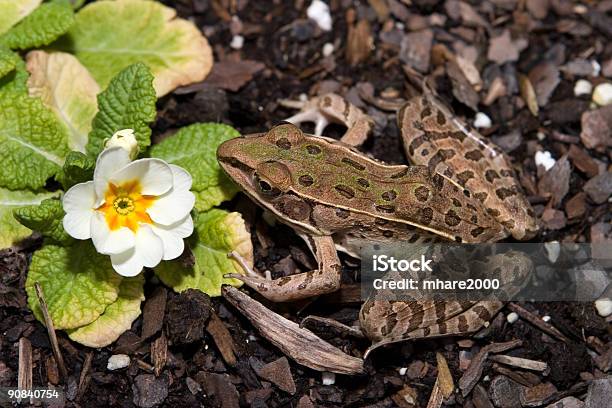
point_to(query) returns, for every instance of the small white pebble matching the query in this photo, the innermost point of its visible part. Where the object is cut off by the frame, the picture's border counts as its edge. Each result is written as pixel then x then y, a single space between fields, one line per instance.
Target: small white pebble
pixel 237 42
pixel 544 159
pixel 602 94
pixel 604 307
pixel 546 318
pixel 482 120
pixel 582 87
pixel 486 378
pixel 402 371
pixel 486 324
pixel 553 249
pixel 117 362
pixel 205 346
pixel 512 317
pixel 319 12
pixel 596 67
pixel 580 9
pixel 328 49
pixel 541 136
pixel 303 97
pixel 400 26
pixel 328 378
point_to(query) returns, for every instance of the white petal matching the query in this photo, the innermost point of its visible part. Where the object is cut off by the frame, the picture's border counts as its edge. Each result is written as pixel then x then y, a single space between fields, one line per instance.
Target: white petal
pixel 172 236
pixel 110 242
pixel 154 175
pixel 78 223
pixel 182 179
pixel 109 162
pixel 147 252
pixel 79 197
pixel 172 207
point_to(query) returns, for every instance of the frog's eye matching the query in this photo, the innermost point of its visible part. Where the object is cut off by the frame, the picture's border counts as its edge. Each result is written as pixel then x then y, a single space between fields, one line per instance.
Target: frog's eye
pixel 285 136
pixel 266 188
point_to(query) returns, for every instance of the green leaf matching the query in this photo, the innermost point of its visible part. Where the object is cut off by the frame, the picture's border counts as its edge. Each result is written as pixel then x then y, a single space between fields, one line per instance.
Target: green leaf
pixel 66 87
pixel 15 10
pixel 78 168
pixel 45 218
pixel 217 233
pixel 33 144
pixel 13 231
pixel 41 27
pixel 78 283
pixel 116 319
pixel 16 78
pixel 108 36
pixel 8 61
pixel 127 103
pixel 194 148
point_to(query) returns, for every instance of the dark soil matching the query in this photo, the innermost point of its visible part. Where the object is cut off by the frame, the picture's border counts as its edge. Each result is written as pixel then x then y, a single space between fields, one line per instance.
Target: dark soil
pixel 552 42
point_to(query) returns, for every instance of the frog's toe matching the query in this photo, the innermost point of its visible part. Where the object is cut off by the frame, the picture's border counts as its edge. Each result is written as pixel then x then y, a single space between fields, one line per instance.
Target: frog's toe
pixel 311 115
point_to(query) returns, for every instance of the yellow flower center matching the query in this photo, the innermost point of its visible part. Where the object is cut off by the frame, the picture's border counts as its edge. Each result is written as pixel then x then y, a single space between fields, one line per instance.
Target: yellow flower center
pixel 125 206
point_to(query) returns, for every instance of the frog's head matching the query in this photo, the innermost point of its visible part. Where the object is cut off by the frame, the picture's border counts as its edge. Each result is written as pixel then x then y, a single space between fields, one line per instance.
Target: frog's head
pixel 257 164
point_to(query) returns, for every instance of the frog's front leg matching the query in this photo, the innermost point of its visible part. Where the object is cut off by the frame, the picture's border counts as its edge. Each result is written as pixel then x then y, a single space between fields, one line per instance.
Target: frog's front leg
pixel 332 108
pixel 324 279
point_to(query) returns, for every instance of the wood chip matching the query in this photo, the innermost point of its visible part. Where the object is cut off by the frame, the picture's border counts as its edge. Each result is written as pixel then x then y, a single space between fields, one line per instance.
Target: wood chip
pixel 159 354
pixel 445 379
pixel 222 337
pixel 555 182
pixel 299 344
pixel 278 372
pixel 228 75
pixel 24 375
pixel 359 42
pixel 520 362
pixel 153 312
pixel 528 94
pixel 474 371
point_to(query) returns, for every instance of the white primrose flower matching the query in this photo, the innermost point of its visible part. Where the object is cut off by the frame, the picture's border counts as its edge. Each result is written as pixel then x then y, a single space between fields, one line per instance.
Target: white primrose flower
pixel 124 138
pixel 138 212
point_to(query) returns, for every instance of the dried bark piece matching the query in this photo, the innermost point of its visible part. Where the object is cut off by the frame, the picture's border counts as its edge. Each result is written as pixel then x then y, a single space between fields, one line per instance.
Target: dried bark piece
pixel 597 128
pixel 220 388
pixel 222 337
pixel 445 379
pixel 576 206
pixel 415 50
pixel 159 354
pixel 504 392
pixel 553 219
pixel 462 89
pixel 187 315
pixel 520 362
pixel 555 182
pixel 153 312
pixel 503 49
pixel 537 395
pixel 474 371
pixel 528 94
pixel 599 188
pixel 149 391
pixel 299 344
pixel 545 78
pixel 583 161
pixel 232 75
pixel 359 42
pixel 278 372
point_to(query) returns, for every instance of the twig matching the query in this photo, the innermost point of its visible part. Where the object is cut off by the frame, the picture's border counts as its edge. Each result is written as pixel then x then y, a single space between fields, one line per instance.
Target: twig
pixel 159 354
pixel 539 323
pixel 84 376
pixel 51 331
pixel 222 337
pixel 24 376
pixel 520 362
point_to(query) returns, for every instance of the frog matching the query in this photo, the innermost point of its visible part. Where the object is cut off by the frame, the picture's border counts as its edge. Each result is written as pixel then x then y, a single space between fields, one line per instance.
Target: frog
pixel 459 187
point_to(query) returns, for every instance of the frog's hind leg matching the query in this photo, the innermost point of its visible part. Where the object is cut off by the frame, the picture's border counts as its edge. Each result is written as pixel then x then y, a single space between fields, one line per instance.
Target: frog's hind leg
pixel 324 279
pixel 332 108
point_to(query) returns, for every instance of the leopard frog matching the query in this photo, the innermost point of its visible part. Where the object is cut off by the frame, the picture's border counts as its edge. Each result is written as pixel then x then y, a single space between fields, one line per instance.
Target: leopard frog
pixel 460 189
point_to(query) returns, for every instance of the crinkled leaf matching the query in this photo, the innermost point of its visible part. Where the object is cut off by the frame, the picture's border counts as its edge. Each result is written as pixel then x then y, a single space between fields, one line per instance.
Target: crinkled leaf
pixel 116 319
pixel 45 218
pixel 15 10
pixel 11 230
pixel 217 233
pixel 66 87
pixel 195 149
pixel 78 283
pixel 127 103
pixel 15 79
pixel 41 27
pixel 78 168
pixel 33 144
pixel 8 61
pixel 110 35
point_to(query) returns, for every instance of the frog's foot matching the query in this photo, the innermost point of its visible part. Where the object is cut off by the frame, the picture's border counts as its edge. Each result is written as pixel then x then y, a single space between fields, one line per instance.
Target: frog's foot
pixel 323 280
pixel 332 108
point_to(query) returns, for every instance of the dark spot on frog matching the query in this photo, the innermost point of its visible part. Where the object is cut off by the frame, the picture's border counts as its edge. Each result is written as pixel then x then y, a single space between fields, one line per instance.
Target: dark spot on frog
pixel 388 234
pixel 385 208
pixel 477 231
pixel 491 175
pixel 482 196
pixel 421 193
pixel 424 152
pixel 313 149
pixel 345 191
pixel 389 195
pixel 440 118
pixel 451 218
pixel 425 215
pixel 474 155
pixel 353 164
pixel 456 202
pixel 306 180
pixel 504 193
pixel 400 174
pixel 283 143
pixel 363 182
pixel 464 176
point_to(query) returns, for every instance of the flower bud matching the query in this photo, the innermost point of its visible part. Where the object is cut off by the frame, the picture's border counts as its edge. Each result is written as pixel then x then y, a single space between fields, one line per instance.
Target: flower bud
pixel 125 139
